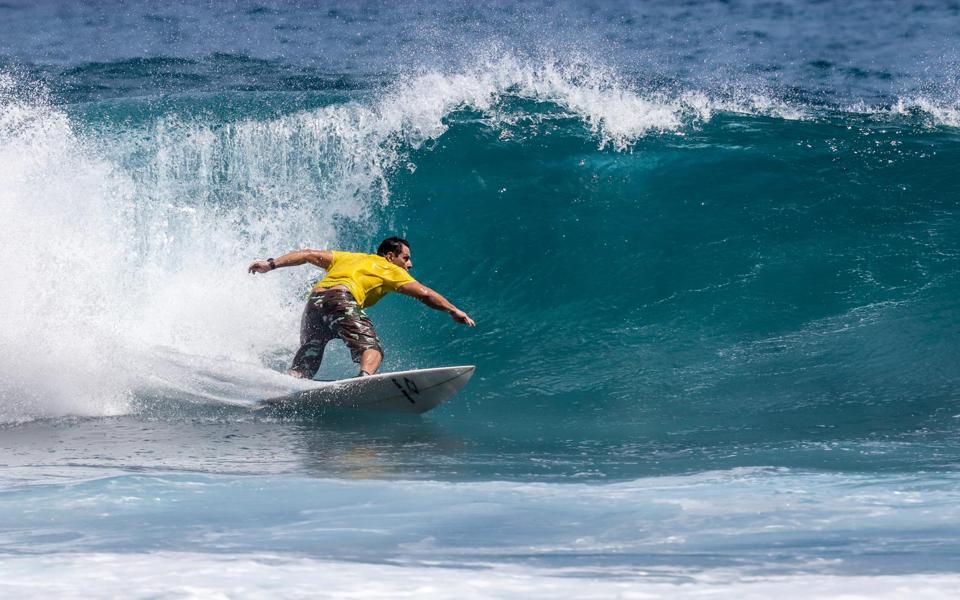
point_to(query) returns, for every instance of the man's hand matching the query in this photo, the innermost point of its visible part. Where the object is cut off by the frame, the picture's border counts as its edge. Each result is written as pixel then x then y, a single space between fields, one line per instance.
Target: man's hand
pixel 461 317
pixel 435 301
pixel 259 266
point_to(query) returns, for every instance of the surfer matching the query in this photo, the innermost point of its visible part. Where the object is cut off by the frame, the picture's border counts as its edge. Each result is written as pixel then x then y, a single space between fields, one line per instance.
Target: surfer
pixel 354 281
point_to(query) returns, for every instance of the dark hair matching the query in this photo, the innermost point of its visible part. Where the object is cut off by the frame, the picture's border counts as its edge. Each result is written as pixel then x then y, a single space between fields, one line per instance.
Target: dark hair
pixel 392 244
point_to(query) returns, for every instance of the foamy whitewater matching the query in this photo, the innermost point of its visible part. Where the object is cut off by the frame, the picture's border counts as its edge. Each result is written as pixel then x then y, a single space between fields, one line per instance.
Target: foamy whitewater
pixel 712 251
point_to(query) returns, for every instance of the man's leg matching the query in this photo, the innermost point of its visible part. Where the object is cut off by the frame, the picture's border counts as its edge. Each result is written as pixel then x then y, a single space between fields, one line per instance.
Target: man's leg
pixel 370 361
pixel 348 322
pixel 358 334
pixel 314 336
pixel 307 361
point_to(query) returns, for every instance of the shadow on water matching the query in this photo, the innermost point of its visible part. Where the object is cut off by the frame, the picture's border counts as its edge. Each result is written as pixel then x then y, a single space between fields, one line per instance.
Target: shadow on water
pixel 322 417
pixel 177 435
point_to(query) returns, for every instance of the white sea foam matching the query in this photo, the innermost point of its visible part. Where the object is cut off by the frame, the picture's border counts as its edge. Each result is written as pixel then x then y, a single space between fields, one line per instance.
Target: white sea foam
pixel 748 532
pixel 765 521
pixel 194 575
pixel 742 102
pixel 63 216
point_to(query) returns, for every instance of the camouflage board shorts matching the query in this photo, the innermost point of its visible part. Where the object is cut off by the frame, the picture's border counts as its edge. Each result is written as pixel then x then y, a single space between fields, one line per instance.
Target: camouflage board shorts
pixel 332 314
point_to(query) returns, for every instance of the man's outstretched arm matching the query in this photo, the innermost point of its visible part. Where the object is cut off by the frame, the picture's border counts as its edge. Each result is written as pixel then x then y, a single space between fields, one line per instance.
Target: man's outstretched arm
pixel 435 301
pixel 320 258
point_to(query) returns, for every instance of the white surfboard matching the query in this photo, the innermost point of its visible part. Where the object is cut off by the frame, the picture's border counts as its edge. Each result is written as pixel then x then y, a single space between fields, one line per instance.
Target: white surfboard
pixel 414 391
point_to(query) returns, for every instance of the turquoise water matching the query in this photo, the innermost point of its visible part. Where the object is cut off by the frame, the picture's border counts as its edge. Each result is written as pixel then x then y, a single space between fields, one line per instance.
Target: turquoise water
pixel 711 250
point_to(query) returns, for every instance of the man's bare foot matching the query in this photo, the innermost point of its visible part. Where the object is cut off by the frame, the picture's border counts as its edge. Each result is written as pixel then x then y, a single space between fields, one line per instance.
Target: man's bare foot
pixel 296 373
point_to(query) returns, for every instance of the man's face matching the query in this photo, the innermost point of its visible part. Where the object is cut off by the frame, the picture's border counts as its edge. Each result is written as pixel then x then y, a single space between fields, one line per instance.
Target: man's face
pixel 402 260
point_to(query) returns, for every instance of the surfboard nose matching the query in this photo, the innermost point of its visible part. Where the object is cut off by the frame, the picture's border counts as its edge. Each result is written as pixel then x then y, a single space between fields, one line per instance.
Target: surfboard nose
pixel 465 371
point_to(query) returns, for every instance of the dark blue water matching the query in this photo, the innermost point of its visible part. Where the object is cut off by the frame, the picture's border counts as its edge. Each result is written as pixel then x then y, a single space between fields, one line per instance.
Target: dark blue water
pixel 711 248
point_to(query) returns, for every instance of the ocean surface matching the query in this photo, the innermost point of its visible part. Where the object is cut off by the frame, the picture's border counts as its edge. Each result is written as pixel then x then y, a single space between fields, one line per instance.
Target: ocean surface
pixel 712 249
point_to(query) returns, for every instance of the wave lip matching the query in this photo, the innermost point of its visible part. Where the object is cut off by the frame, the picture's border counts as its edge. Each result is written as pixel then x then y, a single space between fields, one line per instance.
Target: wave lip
pixel 616 111
pixel 925 110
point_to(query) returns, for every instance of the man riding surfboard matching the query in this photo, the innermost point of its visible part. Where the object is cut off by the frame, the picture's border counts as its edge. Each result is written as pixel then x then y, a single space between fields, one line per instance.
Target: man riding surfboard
pixel 335 308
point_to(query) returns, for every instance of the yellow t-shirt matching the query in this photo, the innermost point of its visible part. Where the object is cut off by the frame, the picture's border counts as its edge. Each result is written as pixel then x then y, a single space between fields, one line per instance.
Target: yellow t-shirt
pixel 369 277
